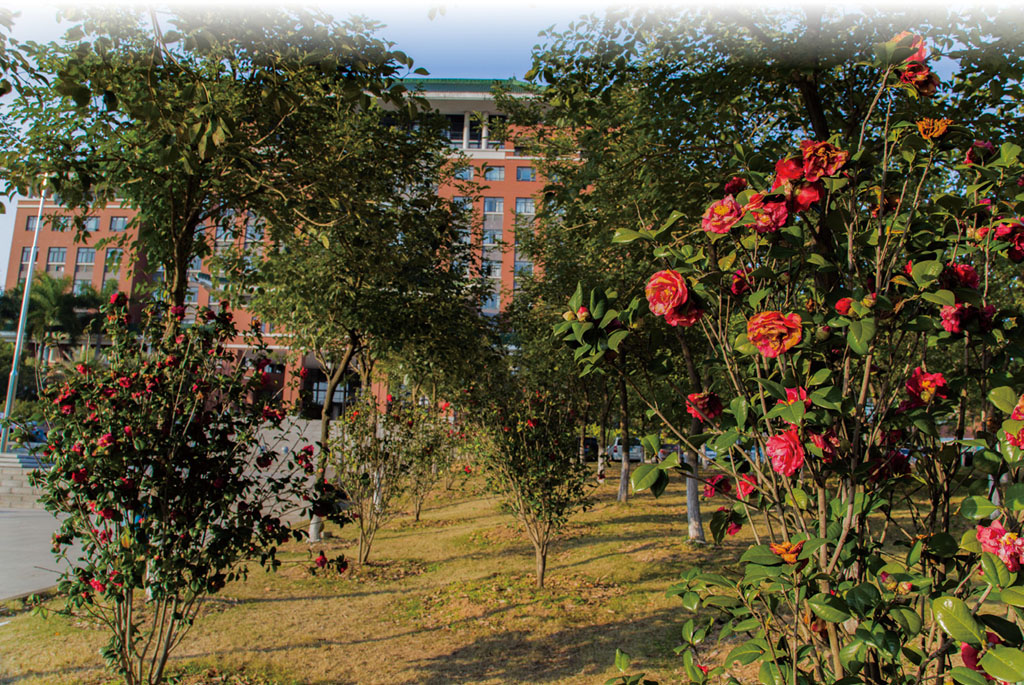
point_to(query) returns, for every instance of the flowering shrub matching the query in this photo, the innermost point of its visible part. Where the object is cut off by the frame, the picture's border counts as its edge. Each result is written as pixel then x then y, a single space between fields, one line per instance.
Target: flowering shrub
pixel 534 465
pixel 870 391
pixel 158 473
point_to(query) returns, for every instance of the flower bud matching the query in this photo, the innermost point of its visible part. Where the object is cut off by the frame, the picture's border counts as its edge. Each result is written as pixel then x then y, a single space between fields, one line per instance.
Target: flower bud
pixel 582 314
pixel 822 333
pixel 568 315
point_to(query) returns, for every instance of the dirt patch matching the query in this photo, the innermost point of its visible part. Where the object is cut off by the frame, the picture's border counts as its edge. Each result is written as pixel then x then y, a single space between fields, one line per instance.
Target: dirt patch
pixel 426 524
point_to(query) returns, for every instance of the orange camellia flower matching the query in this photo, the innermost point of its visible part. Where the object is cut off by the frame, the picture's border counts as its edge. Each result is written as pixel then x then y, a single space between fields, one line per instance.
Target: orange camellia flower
pixel 822 159
pixel 916 44
pixel 933 128
pixel 665 291
pixel 788 551
pixel 774 333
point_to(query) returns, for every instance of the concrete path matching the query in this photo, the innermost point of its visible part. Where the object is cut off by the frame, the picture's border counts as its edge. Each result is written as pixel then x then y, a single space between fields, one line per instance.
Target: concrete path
pixel 26 563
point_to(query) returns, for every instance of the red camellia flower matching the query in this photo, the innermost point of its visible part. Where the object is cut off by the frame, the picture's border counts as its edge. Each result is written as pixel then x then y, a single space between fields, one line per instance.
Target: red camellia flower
pixel 979 152
pixel 745 485
pixel 717 485
pixel 703 405
pixel 722 215
pixel 821 159
pixel 117 298
pixel 178 312
pixel 731 529
pixel 665 291
pixel 923 387
pixel 804 194
pixel 959 276
pixel 97 585
pixel 769 217
pixel 923 80
pixel 582 314
pixel 796 395
pixel 106 440
pixel 954 317
pixel 321 560
pixel 82 369
pixel 685 316
pixel 971 654
pixel 735 185
pixel 843 305
pixel 466 469
pixel 1018 411
pixel 740 284
pixel 124 381
pixel 827 442
pixel 79 477
pixel 774 333
pixel 786 452
pixel 916 44
pixel 786 171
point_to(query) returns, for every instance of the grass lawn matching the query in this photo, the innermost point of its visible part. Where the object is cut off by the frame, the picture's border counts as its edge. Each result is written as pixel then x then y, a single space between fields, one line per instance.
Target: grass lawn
pixel 447 600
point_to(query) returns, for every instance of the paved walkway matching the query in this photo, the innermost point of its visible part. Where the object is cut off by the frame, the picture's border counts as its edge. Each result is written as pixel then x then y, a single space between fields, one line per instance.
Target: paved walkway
pixel 26 561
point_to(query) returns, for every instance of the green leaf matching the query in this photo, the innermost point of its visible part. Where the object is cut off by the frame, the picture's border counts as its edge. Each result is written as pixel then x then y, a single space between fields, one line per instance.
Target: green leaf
pixel 819 377
pixel 1004 663
pixel 644 476
pixel 863 598
pixel 909 620
pixel 1014 596
pixel 942 545
pixel 1014 498
pixel 925 272
pixel 829 607
pixel 1004 398
pixel 860 335
pixel 616 338
pixel 621 660
pixel 625 235
pixel 914 555
pixel 739 408
pixel 943 298
pixel 976 507
pixel 746 653
pixel 995 570
pixel 760 554
pixel 967 676
pixel 956 620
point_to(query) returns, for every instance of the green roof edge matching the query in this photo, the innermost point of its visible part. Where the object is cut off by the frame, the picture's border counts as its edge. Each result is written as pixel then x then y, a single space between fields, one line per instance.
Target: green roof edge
pixel 464 85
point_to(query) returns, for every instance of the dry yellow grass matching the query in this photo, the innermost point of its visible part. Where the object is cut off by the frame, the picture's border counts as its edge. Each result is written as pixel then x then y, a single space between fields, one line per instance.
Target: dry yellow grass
pixel 448 600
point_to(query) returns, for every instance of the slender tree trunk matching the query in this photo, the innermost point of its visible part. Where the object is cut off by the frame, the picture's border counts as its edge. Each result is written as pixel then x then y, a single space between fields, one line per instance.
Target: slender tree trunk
pixel 624 430
pixel 695 524
pixel 316 524
pixel 602 433
pixel 540 553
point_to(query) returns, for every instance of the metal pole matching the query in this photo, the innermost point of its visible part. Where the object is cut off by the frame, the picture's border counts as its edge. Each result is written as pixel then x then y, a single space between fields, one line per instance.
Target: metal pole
pixel 12 384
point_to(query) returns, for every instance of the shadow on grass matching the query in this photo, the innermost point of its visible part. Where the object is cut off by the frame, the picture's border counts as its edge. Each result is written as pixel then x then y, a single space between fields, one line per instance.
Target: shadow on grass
pixel 521 656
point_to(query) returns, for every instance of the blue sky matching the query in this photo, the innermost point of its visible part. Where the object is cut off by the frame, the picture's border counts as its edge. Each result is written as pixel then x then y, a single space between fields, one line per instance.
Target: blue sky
pixel 466 40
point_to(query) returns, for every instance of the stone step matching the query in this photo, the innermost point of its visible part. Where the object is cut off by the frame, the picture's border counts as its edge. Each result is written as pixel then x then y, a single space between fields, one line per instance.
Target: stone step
pixel 15 491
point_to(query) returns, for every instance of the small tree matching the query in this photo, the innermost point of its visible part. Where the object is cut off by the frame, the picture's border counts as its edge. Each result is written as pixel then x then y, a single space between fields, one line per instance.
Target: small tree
pixel 370 455
pixel 431 453
pixel 159 475
pixel 535 467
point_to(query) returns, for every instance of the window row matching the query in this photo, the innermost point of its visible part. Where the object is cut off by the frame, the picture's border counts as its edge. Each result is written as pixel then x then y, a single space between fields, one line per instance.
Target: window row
pixel 85 261
pixel 62 223
pixel 497 173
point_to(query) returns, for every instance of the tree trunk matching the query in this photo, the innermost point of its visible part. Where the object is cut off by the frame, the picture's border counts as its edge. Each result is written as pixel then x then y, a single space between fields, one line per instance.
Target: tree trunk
pixel 624 430
pixel 540 553
pixel 316 524
pixel 694 520
pixel 602 433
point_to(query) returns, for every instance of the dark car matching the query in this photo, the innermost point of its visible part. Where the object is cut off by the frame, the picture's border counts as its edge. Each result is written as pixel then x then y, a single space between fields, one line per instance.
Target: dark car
pixel 590 449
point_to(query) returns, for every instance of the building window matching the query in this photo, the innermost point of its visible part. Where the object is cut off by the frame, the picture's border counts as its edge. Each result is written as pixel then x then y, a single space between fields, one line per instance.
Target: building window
pixel 30 222
pixel 525 205
pixel 526 173
pixel 57 223
pixel 26 263
pixel 494 121
pixel 84 262
pixel 465 173
pixel 456 129
pixel 55 258
pixel 320 391
pixel 491 302
pixel 494 173
pixel 192 295
pixel 224 237
pixel 462 203
pixel 476 133
pixel 111 266
pixel 118 223
pixel 492 236
pixel 92 223
pixel 267 328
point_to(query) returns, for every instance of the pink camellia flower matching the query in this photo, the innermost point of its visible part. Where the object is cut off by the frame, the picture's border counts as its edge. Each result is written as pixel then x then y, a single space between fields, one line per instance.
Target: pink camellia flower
pixel 923 387
pixel 1018 411
pixel 786 452
pixel 731 529
pixel 1009 547
pixel 116 298
pixel 821 159
pixel 979 152
pixel 794 395
pixel 97 585
pixel 740 284
pixel 67 409
pixel 843 305
pixel 769 217
pixel 717 485
pixel 828 443
pixel 722 215
pixel 665 291
pixel 443 406
pixel 774 333
pixel 685 316
pixel 954 317
pixel 106 440
pixel 745 485
pixel 735 185
pixel 178 312
pixel 705 406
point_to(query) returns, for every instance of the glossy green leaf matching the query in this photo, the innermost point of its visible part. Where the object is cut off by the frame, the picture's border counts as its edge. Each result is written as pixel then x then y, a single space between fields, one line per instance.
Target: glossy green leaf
pixel 829 607
pixel 956 620
pixel 976 507
pixel 1004 398
pixel 1004 663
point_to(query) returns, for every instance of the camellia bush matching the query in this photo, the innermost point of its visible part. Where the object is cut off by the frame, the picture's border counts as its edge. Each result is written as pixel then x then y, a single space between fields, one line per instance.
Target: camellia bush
pixel 161 477
pixel 865 426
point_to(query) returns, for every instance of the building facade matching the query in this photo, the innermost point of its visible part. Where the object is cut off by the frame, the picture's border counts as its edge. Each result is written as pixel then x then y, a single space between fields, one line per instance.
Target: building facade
pixel 508 191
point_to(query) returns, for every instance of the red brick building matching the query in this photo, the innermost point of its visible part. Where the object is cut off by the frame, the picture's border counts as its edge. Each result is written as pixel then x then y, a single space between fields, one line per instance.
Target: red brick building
pixel 508 190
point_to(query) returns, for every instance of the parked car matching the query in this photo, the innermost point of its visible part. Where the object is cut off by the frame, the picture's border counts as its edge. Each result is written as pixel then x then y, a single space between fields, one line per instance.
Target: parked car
pixel 667 449
pixel 590 449
pixel 636 450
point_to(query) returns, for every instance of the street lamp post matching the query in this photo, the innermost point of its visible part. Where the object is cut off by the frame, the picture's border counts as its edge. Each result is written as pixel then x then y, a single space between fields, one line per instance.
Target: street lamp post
pixel 12 384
